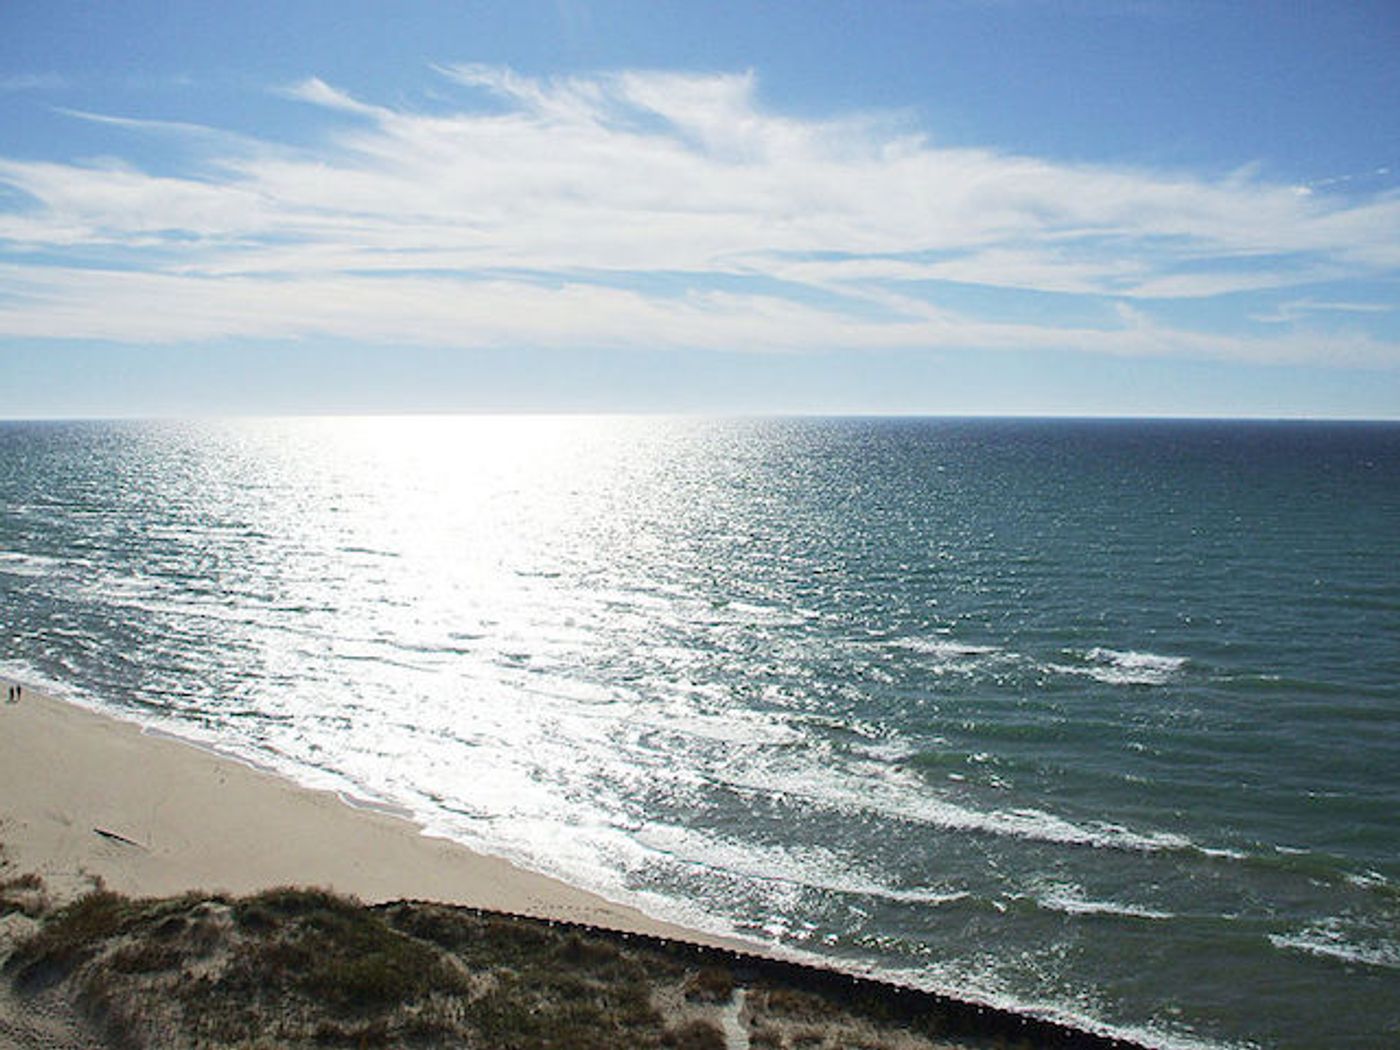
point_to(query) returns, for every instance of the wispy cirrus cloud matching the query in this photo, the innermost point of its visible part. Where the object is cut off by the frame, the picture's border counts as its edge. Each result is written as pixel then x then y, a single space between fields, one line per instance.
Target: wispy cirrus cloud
pixel 1289 312
pixel 32 82
pixel 665 209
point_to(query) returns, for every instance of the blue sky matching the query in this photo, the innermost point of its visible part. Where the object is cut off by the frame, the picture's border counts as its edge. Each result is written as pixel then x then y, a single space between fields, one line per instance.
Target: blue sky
pixel 955 206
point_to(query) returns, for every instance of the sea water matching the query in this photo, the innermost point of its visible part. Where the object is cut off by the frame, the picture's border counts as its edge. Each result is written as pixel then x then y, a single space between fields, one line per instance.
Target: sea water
pixel 1097 719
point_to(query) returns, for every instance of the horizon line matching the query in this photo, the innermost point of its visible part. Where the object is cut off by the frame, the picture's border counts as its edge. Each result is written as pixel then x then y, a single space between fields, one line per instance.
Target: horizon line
pixel 716 415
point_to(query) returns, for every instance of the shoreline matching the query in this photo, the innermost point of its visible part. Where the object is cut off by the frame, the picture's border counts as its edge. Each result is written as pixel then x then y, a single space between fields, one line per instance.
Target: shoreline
pixel 88 795
pixel 91 800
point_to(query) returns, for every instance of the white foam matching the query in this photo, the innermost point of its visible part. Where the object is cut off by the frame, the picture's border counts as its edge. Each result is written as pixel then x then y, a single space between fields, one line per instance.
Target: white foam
pixel 789 869
pixel 1130 659
pixel 945 648
pixel 1123 667
pixel 887 795
pixel 1071 900
pixel 891 751
pixel 17 563
pixel 1328 940
pixel 1368 880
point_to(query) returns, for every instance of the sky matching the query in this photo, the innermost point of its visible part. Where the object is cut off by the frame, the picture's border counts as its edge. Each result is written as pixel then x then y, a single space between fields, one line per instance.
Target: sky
pixel 965 207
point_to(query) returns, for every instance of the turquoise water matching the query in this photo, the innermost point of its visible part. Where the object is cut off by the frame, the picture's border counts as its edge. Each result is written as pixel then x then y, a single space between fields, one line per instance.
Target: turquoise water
pixel 1098 719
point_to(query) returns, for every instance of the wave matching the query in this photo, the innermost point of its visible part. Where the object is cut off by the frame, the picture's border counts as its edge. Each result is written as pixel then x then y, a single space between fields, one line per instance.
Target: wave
pixel 945 648
pixel 1328 940
pixel 1070 900
pixel 1372 880
pixel 1122 666
pixel 16 563
pixel 1110 666
pixel 793 868
pixel 886 796
pixel 1132 660
pixel 892 751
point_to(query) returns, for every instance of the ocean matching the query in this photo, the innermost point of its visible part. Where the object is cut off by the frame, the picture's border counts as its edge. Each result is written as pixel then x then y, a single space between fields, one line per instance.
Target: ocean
pixel 1095 719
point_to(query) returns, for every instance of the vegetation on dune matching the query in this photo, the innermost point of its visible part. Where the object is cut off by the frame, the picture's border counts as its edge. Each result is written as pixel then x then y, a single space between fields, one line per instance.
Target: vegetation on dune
pixel 298 967
pixel 295 967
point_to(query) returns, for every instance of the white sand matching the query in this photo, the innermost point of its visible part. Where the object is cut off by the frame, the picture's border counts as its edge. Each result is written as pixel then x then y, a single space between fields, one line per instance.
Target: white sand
pixel 194 820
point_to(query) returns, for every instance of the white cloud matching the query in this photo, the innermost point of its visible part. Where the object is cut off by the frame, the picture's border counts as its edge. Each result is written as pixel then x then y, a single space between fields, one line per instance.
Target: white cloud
pixel 457 312
pixel 319 93
pixel 32 82
pixel 1288 313
pixel 1207 285
pixel 657 209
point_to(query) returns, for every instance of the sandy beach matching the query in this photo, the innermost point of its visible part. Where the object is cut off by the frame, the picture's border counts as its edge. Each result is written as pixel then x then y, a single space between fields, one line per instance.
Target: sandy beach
pixel 85 796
